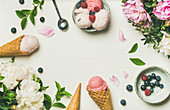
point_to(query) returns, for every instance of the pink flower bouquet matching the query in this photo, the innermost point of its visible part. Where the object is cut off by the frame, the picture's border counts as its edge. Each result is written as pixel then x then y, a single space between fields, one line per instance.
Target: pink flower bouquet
pixel 152 18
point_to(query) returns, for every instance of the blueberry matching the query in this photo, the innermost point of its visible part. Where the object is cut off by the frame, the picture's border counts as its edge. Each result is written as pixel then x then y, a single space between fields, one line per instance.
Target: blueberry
pixel 158 78
pixel 78 5
pixel 129 87
pixel 40 70
pixel 151 90
pixel 149 77
pixel 161 86
pixel 143 87
pixel 153 75
pixel 152 85
pixel 21 1
pixel 92 13
pixel 13 30
pixel 147 83
pixel 157 83
pixel 123 102
pixel 83 0
pixel 42 19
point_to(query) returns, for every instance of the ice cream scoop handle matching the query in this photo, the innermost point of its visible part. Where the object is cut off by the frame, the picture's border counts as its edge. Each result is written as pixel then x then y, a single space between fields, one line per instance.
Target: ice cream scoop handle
pixel 56 9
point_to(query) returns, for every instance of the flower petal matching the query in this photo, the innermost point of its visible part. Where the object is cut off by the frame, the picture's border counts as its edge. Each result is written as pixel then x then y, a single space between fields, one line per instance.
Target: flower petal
pixel 125 74
pixel 114 80
pixel 46 31
pixel 121 36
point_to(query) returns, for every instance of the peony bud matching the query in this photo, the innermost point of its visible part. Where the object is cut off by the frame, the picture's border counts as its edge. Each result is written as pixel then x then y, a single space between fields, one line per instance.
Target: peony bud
pixel 167 23
pixel 13 107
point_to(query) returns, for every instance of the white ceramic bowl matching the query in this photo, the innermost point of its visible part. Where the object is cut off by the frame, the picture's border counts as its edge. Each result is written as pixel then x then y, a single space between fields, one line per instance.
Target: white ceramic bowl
pixel 159 94
pixel 105 6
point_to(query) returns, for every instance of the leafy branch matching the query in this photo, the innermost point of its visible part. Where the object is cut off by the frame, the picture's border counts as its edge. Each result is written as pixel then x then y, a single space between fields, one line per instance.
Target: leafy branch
pixel 48 103
pixel 7 97
pixel 25 13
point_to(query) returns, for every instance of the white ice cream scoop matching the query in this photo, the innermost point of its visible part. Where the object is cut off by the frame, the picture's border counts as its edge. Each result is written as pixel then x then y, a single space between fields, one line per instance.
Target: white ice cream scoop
pixel 102 19
pixel 82 20
pixel 29 44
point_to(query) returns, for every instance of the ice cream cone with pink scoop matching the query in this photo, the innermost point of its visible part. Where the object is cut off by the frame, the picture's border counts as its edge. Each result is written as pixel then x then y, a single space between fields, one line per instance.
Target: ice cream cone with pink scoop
pixel 21 46
pixel 100 93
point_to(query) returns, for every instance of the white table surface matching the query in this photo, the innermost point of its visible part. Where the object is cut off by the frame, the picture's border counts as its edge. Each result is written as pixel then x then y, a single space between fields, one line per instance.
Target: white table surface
pixel 75 56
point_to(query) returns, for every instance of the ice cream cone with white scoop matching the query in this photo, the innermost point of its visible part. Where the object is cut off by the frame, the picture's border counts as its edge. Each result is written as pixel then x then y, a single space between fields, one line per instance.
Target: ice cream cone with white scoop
pixel 21 46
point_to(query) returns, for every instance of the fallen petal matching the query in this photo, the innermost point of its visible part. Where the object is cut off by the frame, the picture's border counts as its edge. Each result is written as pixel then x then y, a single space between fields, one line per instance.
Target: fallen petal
pixel 114 80
pixel 121 36
pixel 46 31
pixel 125 74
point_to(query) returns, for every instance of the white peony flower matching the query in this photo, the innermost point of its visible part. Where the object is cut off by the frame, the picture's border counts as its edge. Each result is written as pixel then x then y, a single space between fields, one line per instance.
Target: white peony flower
pixel 28 97
pixel 12 73
pixel 164 45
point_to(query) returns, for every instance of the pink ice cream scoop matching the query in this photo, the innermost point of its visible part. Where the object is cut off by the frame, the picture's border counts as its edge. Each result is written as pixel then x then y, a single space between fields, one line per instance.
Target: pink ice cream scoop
pixel 96 83
pixel 91 4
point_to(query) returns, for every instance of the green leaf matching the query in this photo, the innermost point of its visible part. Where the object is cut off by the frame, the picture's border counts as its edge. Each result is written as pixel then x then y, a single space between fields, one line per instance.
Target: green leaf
pixel 20 14
pixel 23 23
pixel 65 93
pixel 58 104
pixel 33 77
pixel 137 61
pixel 3 107
pixel 36 1
pixel 134 48
pixel 11 94
pixel 4 89
pixel 43 88
pixel 42 2
pixel 2 77
pixel 12 60
pixel 58 96
pixel 62 89
pixel 35 11
pixel 32 18
pixel 148 5
pixel 47 98
pixel 58 86
pixel 26 12
pixel 40 7
pixel 1 84
pixel 47 101
pixel 47 105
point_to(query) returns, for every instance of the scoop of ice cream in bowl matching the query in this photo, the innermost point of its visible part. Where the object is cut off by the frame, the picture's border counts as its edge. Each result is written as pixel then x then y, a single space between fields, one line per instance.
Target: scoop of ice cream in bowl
pixel 91 15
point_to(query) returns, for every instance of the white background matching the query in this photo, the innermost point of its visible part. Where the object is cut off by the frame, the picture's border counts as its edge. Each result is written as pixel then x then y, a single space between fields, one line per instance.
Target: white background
pixel 75 56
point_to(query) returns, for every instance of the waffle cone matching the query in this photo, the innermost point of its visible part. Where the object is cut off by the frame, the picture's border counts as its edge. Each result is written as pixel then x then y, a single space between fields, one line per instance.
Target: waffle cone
pixel 102 98
pixel 75 101
pixel 12 48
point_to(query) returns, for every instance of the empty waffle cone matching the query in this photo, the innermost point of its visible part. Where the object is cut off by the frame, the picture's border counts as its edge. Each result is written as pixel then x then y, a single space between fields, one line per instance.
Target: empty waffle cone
pixel 102 98
pixel 75 101
pixel 12 48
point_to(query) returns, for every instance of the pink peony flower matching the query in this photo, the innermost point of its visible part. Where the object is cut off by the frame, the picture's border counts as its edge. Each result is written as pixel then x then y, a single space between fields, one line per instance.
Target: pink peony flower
pixel 162 11
pixel 134 11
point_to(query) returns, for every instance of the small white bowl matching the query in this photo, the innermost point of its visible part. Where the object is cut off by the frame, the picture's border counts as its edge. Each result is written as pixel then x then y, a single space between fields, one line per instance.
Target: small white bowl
pixel 91 29
pixel 159 95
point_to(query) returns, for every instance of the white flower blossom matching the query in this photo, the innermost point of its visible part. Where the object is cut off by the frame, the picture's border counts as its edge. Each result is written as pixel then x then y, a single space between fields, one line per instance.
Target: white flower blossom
pixel 164 45
pixel 12 73
pixel 28 97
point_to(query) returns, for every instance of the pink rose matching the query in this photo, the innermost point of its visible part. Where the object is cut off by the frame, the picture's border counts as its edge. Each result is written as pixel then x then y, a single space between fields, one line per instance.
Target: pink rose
pixel 134 11
pixel 162 11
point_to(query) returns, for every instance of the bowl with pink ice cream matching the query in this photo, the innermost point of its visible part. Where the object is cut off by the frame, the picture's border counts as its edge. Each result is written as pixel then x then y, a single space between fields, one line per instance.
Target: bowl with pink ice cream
pixel 91 15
